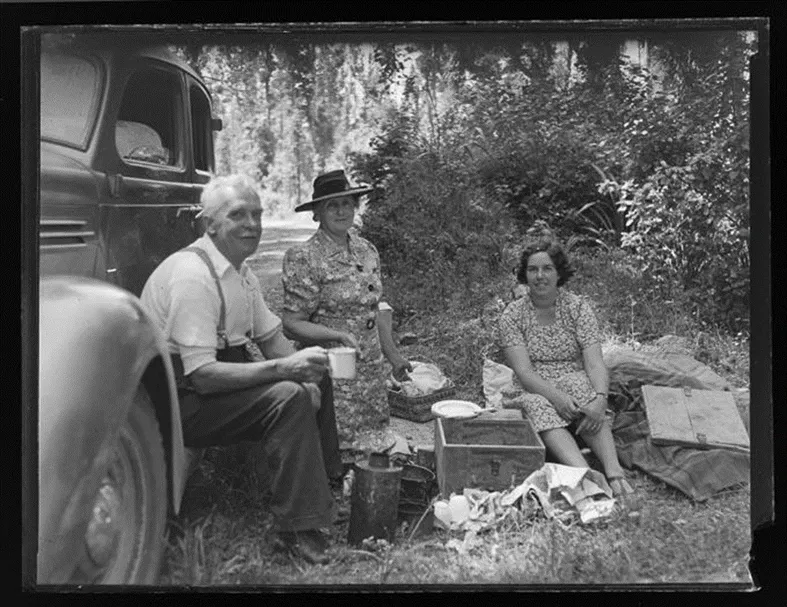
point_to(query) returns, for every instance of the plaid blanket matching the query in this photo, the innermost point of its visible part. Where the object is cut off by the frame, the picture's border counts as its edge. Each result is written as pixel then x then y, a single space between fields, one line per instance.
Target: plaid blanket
pixel 699 473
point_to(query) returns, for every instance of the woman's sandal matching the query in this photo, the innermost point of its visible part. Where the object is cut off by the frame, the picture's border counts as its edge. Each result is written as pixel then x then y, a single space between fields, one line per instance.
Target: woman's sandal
pixel 620 486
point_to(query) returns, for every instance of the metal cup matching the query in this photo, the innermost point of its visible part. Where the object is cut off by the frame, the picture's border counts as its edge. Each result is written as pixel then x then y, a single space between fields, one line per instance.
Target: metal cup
pixel 342 362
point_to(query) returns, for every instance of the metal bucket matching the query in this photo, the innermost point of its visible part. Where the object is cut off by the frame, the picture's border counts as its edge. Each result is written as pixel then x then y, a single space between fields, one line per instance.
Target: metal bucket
pixel 419 484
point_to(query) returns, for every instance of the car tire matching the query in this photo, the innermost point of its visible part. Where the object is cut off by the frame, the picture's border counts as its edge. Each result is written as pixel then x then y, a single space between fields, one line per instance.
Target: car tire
pixel 125 538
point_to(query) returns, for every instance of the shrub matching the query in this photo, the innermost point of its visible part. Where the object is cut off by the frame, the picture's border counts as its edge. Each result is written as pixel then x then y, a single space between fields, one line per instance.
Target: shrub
pixel 687 225
pixel 439 234
pixel 657 167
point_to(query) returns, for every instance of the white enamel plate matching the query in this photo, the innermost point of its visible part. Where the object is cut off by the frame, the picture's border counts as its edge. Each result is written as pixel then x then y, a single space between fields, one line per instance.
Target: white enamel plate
pixel 455 409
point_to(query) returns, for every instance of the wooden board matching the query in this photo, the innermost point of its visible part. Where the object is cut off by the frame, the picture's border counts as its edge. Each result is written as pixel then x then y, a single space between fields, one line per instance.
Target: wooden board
pixel 696 418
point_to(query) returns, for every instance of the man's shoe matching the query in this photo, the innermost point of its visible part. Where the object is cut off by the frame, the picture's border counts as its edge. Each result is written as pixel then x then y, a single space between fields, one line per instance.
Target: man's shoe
pixel 342 515
pixel 310 545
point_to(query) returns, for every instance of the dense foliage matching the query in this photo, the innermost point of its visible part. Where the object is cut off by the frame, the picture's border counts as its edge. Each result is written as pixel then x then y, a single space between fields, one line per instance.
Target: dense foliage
pixel 651 160
pixel 685 191
pixel 468 142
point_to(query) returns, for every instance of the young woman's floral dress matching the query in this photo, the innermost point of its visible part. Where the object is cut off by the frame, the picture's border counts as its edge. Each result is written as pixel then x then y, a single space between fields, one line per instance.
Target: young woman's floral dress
pixel 555 352
pixel 341 290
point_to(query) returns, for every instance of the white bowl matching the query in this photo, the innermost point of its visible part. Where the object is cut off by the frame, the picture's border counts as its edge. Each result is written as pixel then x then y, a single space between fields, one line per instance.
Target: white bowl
pixel 455 409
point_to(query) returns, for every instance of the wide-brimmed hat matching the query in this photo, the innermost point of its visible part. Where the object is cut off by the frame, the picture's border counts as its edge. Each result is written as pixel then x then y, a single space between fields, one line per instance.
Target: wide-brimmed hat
pixel 332 185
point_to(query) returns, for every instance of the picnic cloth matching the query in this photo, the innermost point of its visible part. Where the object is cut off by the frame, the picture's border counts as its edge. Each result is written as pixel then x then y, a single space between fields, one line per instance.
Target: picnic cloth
pixel 699 473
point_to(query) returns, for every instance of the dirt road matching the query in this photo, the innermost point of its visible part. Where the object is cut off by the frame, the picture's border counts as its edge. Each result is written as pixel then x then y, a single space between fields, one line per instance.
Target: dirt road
pixel 266 262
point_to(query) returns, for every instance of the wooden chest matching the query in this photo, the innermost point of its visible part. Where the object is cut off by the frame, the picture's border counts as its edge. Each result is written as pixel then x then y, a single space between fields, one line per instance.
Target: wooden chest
pixel 487 452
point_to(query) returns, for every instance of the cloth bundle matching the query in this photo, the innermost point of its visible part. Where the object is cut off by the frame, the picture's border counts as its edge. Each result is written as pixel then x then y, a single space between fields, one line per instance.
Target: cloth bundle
pixel 425 378
pixel 699 473
pixel 499 382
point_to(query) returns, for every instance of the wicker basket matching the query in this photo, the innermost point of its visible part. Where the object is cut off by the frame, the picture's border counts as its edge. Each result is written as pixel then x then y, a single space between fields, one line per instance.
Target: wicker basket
pixel 417 408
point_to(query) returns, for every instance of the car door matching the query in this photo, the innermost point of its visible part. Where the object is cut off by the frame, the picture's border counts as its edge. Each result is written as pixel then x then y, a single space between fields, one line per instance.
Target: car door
pixel 149 211
pixel 203 126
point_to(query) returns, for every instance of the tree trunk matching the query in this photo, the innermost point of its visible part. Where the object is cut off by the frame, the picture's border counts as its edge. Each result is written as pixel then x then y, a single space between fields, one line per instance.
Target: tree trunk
pixel 193 51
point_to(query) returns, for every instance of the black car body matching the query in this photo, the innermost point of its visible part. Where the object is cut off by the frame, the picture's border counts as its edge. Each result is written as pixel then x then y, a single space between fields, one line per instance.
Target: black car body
pixel 126 146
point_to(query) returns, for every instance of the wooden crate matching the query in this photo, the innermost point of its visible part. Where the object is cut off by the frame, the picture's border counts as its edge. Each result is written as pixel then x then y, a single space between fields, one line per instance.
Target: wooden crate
pixel 694 418
pixel 487 452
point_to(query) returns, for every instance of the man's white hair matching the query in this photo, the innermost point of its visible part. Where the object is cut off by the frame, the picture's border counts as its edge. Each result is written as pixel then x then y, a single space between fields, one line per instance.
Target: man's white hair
pixel 214 197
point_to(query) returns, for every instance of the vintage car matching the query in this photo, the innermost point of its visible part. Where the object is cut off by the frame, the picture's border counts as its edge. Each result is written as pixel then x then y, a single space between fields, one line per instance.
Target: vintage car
pixel 126 144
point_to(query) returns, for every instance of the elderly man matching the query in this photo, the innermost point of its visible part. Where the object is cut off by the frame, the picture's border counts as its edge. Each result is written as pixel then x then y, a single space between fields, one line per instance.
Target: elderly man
pixel 239 378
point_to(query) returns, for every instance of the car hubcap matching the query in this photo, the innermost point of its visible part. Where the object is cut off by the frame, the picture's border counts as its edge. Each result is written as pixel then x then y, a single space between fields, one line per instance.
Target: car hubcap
pixel 113 548
pixel 102 532
pixel 110 539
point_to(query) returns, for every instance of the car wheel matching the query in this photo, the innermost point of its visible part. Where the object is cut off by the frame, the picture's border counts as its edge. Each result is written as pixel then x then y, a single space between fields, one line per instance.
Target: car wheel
pixel 124 540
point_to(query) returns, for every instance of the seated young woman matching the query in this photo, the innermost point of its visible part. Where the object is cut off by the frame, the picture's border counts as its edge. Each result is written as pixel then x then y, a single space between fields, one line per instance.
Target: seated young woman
pixel 550 338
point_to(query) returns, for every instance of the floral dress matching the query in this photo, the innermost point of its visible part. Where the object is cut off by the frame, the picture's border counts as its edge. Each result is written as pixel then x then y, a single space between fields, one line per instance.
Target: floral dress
pixel 341 289
pixel 555 351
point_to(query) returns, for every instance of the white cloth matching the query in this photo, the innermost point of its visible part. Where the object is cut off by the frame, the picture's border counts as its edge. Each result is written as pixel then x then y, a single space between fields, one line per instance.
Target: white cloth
pixel 181 298
pixel 425 378
pixel 498 383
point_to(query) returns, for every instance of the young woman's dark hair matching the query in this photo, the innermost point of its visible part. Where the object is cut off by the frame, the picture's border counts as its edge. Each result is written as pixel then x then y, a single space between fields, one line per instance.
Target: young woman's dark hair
pixel 541 239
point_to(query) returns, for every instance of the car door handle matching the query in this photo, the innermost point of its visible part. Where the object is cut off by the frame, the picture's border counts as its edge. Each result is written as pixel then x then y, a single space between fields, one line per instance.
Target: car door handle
pixel 193 208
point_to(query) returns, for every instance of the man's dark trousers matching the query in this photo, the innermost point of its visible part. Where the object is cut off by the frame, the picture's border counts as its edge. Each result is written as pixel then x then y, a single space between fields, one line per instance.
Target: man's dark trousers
pixel 301 448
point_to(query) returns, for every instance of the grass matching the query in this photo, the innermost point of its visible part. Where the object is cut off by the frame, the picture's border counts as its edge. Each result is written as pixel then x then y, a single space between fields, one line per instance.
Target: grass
pixel 662 538
pixel 628 313
pixel 222 536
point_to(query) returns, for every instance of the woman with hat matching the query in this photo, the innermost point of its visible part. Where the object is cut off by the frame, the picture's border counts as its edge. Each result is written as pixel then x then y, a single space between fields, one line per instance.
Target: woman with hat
pixel 550 338
pixel 332 297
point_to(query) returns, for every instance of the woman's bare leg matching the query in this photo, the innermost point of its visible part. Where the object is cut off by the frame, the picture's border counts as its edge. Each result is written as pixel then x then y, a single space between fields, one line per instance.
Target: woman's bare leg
pixel 563 447
pixel 603 446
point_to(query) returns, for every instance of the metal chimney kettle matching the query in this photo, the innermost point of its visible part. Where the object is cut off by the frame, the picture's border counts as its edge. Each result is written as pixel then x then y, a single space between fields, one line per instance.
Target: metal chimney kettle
pixel 375 500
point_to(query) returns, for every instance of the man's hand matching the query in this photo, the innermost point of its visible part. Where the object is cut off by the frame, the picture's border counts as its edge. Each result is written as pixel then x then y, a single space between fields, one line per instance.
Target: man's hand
pixel 315 393
pixel 566 406
pixel 307 365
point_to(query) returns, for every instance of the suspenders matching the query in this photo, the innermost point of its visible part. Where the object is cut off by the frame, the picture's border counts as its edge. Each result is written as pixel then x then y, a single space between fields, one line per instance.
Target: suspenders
pixel 221 329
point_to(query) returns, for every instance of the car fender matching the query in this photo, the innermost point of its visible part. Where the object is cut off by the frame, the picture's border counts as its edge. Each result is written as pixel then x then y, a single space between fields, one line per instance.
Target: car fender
pixel 95 343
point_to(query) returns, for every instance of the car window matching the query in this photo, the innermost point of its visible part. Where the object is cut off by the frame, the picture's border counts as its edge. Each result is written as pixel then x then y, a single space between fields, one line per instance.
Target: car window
pixel 148 126
pixel 70 92
pixel 202 133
